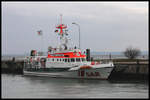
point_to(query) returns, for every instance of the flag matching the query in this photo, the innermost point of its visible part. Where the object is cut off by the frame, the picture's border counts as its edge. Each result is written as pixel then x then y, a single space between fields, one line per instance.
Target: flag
pixel 56 30
pixel 39 32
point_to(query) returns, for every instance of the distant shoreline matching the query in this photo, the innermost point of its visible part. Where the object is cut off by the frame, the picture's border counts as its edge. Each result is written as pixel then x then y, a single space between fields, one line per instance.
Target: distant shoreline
pixel 94 57
pixel 92 53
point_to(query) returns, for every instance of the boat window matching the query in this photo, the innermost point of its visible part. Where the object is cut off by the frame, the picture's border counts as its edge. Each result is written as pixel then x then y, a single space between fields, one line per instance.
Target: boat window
pixel 83 59
pixel 60 59
pixel 72 59
pixel 68 60
pixel 57 59
pixel 53 59
pixel 66 55
pixel 77 59
pixel 65 59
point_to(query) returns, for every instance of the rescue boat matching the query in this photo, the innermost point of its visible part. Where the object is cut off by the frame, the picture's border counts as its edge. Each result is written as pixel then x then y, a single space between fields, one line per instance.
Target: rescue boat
pixel 65 62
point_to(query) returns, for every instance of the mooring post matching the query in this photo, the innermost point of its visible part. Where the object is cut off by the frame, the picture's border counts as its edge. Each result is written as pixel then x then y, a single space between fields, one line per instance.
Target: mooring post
pixel 138 66
pixel 88 54
pixel 13 59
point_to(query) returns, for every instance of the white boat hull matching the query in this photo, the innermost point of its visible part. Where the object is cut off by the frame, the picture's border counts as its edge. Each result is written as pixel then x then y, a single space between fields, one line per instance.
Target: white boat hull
pixel 97 73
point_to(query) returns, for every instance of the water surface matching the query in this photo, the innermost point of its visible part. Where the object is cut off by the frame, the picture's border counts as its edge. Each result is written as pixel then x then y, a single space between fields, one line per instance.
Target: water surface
pixel 19 86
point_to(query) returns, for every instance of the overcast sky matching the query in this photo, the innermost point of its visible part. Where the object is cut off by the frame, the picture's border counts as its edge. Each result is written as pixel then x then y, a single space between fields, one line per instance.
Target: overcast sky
pixel 105 26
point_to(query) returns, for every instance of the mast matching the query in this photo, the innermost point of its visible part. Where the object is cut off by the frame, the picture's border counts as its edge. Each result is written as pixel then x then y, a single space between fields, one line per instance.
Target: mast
pixel 61 18
pixel 62 33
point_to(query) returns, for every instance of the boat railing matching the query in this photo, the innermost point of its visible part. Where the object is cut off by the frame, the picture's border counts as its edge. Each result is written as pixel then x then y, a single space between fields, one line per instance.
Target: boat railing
pixel 100 62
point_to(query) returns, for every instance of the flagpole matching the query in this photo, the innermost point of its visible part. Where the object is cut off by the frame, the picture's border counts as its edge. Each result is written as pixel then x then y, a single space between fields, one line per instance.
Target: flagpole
pixel 42 44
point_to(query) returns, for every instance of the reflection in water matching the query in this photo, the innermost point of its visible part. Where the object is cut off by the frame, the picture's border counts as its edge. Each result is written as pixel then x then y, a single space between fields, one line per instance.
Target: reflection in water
pixel 46 87
pixel 63 80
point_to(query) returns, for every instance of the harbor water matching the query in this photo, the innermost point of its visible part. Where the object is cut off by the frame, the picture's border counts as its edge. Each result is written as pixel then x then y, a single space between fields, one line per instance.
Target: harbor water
pixel 19 86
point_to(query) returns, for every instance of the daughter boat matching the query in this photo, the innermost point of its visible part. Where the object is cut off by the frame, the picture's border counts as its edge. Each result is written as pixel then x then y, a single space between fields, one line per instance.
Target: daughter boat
pixel 65 62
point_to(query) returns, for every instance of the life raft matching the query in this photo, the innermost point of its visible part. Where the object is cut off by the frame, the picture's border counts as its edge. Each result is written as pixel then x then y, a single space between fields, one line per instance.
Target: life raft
pixel 85 67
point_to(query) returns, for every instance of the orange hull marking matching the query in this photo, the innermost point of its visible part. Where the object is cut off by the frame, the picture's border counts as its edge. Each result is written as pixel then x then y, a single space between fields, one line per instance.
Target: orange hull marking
pixel 85 67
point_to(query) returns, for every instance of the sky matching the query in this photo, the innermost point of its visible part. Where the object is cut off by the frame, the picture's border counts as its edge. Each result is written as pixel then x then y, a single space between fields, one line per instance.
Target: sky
pixel 104 26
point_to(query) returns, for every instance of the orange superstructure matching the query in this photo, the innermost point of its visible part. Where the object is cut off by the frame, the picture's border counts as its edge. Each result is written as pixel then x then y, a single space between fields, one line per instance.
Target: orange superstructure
pixel 67 55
